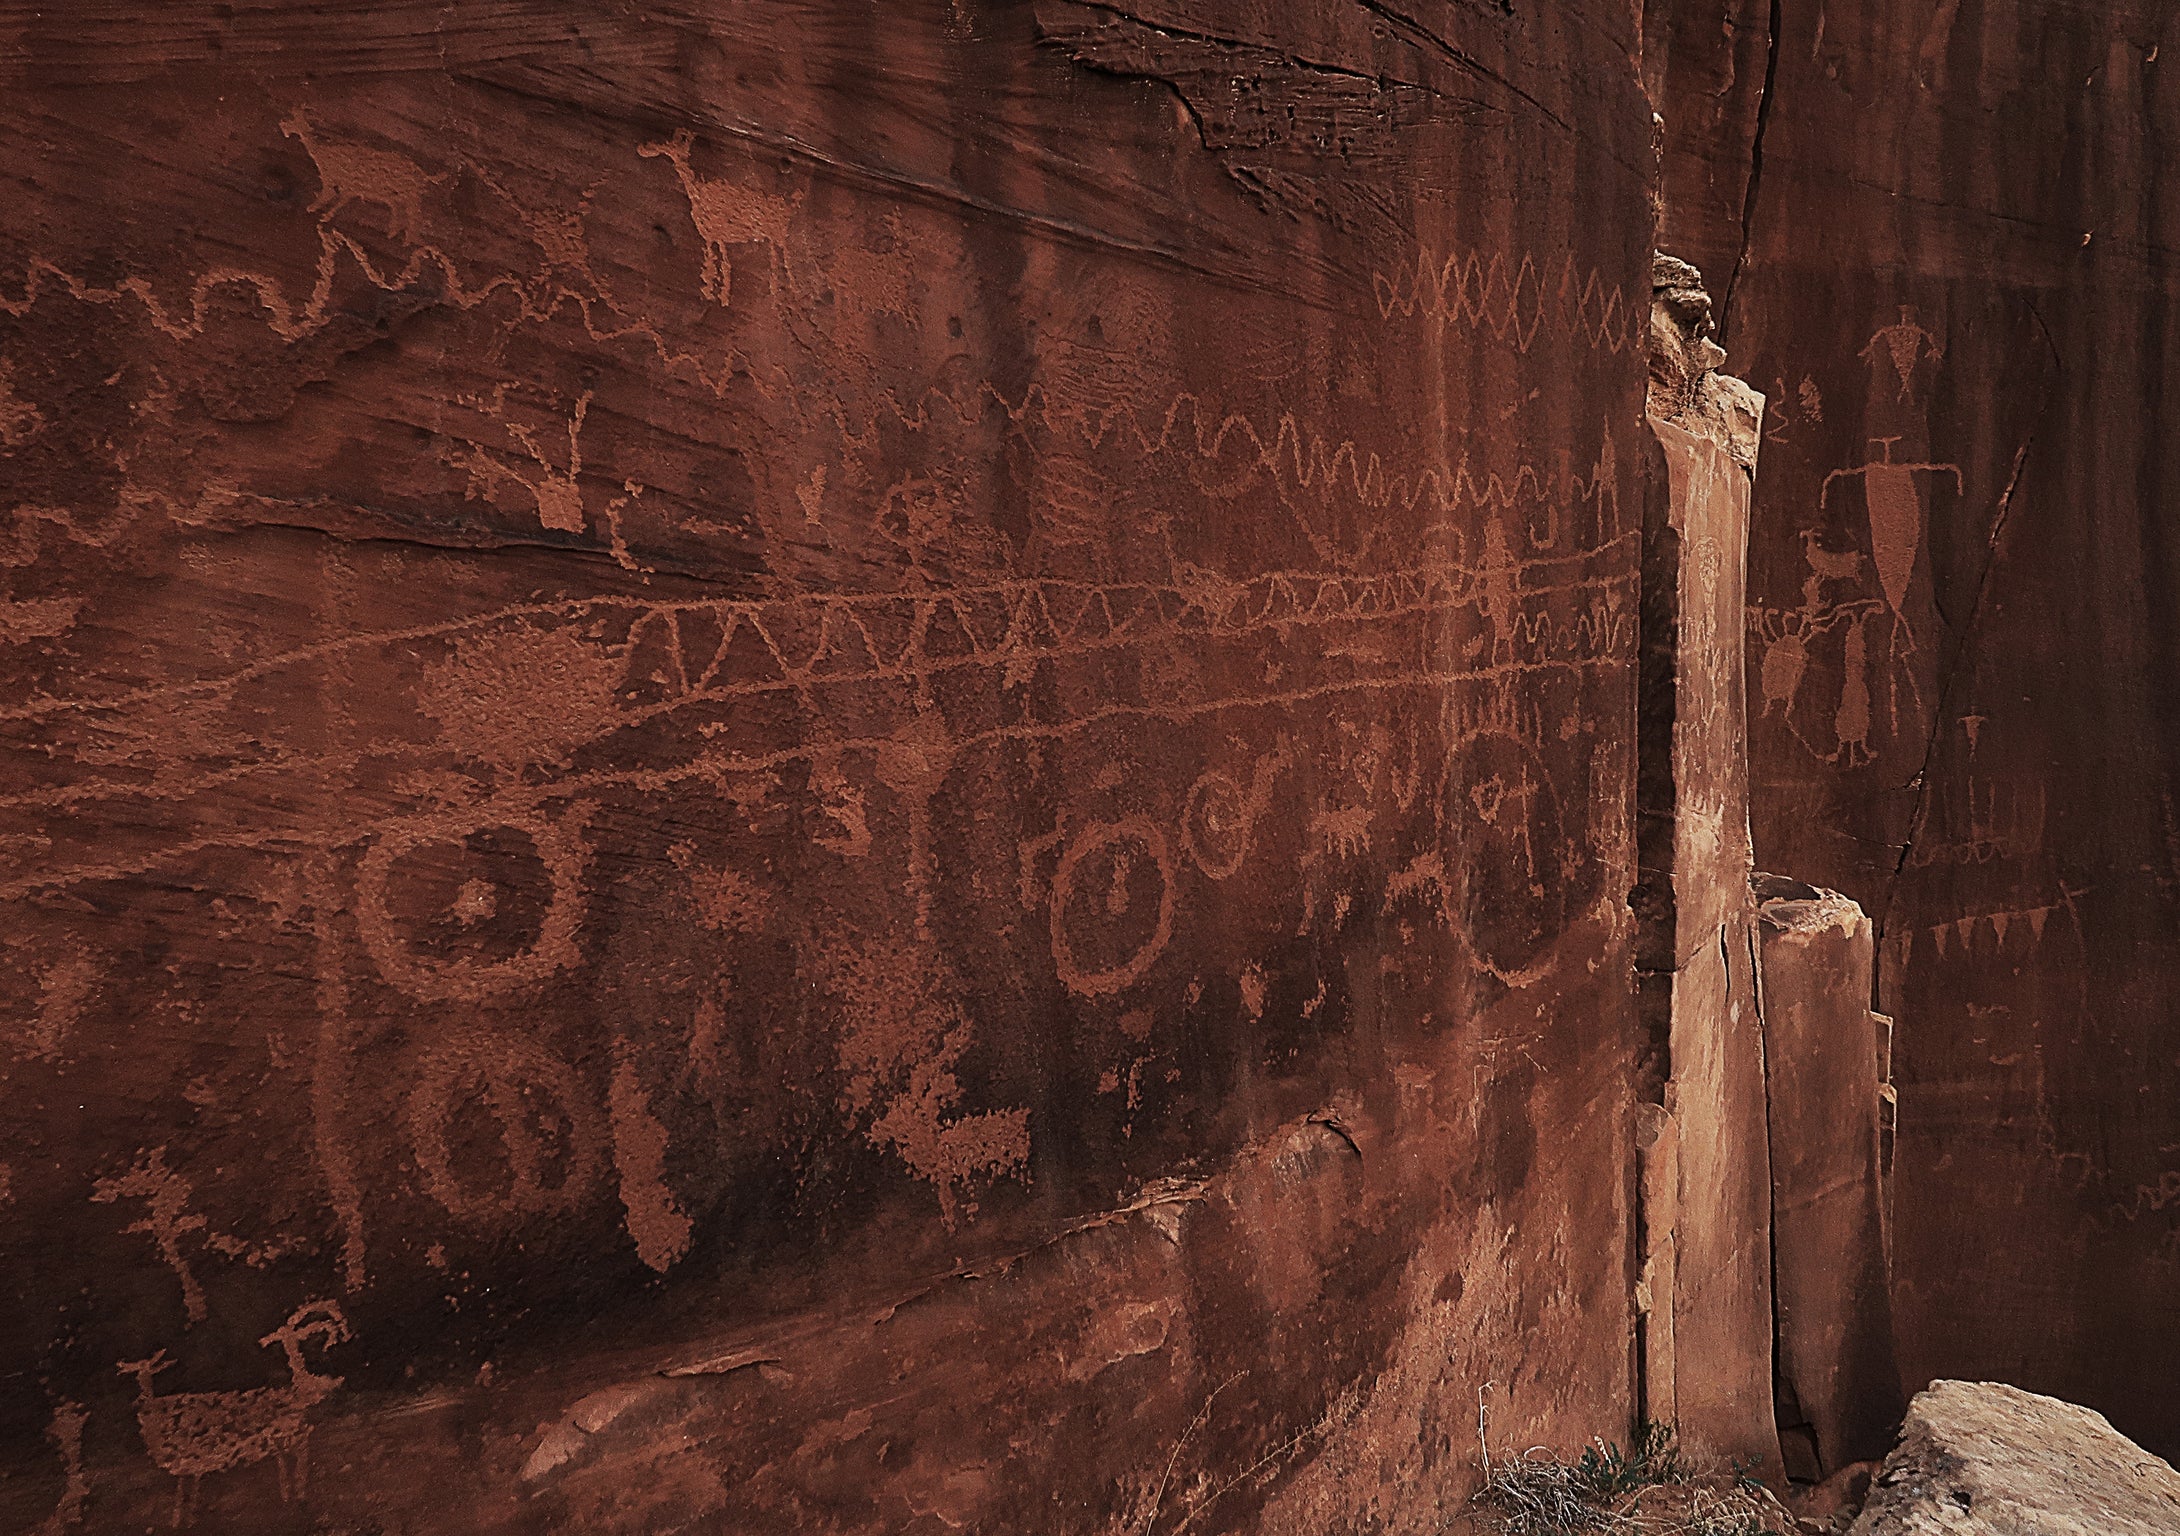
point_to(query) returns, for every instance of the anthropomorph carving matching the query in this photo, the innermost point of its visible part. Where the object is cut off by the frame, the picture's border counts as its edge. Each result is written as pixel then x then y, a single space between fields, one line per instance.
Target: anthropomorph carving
pixel 165 1193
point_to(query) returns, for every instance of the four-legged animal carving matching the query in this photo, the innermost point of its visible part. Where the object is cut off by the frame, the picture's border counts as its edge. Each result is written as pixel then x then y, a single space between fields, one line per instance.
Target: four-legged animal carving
pixel 354 173
pixel 192 1433
pixel 726 214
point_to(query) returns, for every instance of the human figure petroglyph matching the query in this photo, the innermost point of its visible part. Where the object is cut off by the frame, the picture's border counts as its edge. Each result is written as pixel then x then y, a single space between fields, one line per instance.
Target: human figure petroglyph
pixel 1851 723
pixel 1785 662
pixel 1896 512
pixel 167 1218
pixel 190 1434
pixel 726 215
pixel 1904 344
pixel 355 173
pixel 556 492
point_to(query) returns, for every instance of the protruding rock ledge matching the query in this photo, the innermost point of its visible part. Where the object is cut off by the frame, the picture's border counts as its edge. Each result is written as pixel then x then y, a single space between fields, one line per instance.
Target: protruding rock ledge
pixel 1685 385
pixel 1982 1459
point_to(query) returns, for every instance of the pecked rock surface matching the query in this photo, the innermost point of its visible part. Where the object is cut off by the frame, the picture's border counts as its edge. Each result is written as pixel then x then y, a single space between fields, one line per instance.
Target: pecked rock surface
pixel 1984 1459
pixel 800 767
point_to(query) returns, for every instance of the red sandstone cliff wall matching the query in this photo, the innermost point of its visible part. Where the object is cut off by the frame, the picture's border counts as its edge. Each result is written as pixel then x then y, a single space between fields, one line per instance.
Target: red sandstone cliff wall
pixel 804 770
pixel 1954 285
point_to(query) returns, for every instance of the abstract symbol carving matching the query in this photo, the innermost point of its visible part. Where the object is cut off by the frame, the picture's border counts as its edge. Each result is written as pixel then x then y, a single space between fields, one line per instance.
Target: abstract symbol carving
pixel 66 1432
pixel 656 1222
pixel 1095 947
pixel 1219 820
pixel 542 1120
pixel 558 850
pixel 192 1433
pixel 1509 880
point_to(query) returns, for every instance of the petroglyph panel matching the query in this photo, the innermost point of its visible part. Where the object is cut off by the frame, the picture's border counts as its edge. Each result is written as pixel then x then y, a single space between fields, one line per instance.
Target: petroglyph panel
pixel 664 681
pixel 1960 635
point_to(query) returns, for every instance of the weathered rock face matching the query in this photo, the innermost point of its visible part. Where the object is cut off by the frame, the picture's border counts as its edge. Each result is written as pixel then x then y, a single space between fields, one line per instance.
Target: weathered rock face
pixel 1951 288
pixel 771 769
pixel 1981 1459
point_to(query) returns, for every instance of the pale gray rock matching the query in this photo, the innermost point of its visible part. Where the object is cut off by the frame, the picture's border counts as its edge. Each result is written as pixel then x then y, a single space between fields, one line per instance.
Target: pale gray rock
pixel 1982 1459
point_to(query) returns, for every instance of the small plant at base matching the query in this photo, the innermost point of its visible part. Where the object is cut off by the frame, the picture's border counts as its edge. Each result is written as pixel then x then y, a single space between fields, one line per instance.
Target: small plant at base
pixel 1608 1473
pixel 1607 1491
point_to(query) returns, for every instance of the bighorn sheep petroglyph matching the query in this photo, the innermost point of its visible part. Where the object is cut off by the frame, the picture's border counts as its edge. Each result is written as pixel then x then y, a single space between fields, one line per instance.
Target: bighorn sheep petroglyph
pixel 192 1433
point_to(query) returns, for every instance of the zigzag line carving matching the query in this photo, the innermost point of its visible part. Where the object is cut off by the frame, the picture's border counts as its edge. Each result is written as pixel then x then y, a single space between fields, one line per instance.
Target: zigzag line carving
pixel 1511 303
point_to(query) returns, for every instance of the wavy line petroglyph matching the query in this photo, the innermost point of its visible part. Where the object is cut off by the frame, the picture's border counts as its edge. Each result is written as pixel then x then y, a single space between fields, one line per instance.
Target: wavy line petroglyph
pixel 1509 299
pixel 1559 616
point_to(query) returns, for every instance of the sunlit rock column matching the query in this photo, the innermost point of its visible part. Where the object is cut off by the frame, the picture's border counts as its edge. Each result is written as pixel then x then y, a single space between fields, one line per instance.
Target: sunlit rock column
pixel 1828 1073
pixel 1707 1259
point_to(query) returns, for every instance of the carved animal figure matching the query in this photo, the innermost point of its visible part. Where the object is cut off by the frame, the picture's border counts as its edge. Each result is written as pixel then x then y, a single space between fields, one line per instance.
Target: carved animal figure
pixel 192 1433
pixel 1830 565
pixel 169 1217
pixel 354 173
pixel 726 214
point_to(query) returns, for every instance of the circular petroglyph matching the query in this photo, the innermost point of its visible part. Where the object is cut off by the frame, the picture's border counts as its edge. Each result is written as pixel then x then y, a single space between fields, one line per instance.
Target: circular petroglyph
pixel 1112 905
pixel 501 1129
pixel 467 904
pixel 1505 837
pixel 1216 824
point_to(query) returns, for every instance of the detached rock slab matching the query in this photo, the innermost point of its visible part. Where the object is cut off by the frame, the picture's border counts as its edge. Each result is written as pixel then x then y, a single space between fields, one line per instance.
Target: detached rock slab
pixel 1981 1459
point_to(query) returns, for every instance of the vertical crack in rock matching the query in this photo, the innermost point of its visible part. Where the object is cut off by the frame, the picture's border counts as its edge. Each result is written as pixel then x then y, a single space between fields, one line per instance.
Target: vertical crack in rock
pixel 1772 1154
pixel 1756 167
pixel 1827 1068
